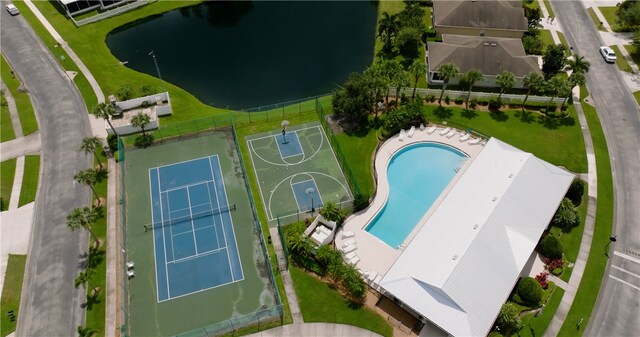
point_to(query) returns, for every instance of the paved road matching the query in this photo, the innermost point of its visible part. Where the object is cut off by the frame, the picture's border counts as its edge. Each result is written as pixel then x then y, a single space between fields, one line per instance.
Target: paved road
pixel 618 308
pixel 50 305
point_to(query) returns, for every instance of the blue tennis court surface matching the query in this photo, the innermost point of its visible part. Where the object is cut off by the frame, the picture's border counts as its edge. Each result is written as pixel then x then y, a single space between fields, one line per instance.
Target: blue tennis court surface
pixel 194 240
pixel 289 145
pixel 307 195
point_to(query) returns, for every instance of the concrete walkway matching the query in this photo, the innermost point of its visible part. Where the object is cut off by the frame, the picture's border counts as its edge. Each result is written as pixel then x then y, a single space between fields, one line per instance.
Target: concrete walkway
pixel 15 233
pixel 20 146
pixel 292 297
pixel 316 330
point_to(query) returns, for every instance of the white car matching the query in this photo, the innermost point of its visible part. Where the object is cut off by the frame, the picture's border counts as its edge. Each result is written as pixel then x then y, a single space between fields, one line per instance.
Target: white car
pixel 608 54
pixel 13 10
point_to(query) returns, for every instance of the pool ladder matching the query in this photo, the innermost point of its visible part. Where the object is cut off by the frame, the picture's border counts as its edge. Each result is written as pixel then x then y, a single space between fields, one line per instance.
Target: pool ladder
pixel 460 164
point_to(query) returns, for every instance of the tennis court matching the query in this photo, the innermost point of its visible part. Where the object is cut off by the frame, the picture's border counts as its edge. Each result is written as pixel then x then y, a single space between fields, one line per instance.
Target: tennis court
pixel 297 172
pixel 194 240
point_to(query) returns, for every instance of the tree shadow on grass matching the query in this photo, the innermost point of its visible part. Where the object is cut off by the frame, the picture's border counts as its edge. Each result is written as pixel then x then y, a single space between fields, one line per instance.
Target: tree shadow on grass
pixel 498 116
pixel 442 112
pixel 525 116
pixel 469 114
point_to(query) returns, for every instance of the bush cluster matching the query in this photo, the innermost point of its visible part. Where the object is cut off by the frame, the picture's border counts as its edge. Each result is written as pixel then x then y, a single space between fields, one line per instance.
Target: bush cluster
pixel 530 291
pixel 551 247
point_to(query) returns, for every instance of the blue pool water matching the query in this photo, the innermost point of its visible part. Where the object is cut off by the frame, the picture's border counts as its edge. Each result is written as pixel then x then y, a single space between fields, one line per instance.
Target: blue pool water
pixel 417 175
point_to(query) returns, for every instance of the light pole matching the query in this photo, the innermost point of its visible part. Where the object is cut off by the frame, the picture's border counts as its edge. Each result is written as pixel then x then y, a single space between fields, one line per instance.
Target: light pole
pixel 284 131
pixel 309 191
pixel 612 239
pixel 152 54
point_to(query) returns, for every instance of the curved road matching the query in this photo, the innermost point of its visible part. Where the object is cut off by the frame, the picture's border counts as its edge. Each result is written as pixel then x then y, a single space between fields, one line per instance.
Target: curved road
pixel 50 305
pixel 617 311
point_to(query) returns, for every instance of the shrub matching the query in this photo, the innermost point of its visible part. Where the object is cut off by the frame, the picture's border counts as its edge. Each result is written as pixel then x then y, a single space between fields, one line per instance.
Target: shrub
pixel 431 98
pixel 112 141
pixel 473 103
pixel 360 202
pixel 508 319
pixel 125 92
pixel 332 212
pixel 495 103
pixel 557 271
pixel 447 99
pixel 494 334
pixel 566 215
pixel 530 291
pixel 542 279
pixel 576 191
pixel 552 264
pixel 458 100
pixel 551 247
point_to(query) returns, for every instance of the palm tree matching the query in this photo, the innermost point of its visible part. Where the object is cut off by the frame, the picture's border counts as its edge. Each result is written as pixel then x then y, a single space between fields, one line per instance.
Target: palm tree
pixel 378 80
pixel 417 69
pixel 141 120
pixel 84 277
pixel 86 331
pixel 555 86
pixel 105 111
pixel 84 217
pixel 91 145
pixel 353 282
pixel 388 27
pixel 391 70
pixel 576 78
pixel 534 83
pixel 400 79
pixel 578 64
pixel 446 72
pixel 470 78
pixel 505 80
pixel 88 177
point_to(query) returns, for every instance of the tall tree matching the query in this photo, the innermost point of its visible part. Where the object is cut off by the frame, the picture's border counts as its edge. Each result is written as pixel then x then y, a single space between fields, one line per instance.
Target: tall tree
pixel 391 69
pixel 534 83
pixel 354 100
pixel 141 120
pixel 578 64
pixel 84 217
pixel 105 111
pixel 576 78
pixel 86 331
pixel 388 28
pixel 506 80
pixel 446 72
pixel 553 60
pixel 556 86
pixel 417 69
pixel 379 81
pixel 84 277
pixel 90 145
pixel 628 13
pixel 88 177
pixel 400 79
pixel 470 78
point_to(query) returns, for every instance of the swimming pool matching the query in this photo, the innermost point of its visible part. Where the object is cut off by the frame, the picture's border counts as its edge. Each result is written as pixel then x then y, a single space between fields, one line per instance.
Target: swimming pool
pixel 417 175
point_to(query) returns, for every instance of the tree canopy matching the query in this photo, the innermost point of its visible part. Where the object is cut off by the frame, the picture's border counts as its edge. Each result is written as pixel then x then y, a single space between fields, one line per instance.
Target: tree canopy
pixel 553 60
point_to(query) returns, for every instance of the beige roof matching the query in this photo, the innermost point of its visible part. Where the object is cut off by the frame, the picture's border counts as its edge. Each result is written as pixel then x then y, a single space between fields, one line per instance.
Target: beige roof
pixel 507 15
pixel 490 55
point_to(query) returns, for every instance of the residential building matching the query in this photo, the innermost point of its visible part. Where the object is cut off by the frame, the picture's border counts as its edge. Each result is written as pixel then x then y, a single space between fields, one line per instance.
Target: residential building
pixel 496 18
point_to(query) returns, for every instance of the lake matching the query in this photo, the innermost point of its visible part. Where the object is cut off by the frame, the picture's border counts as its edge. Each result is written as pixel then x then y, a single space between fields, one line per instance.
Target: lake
pixel 247 54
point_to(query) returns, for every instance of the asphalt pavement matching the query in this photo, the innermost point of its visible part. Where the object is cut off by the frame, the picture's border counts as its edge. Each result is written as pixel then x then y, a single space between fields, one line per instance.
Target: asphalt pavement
pixel 618 307
pixel 51 305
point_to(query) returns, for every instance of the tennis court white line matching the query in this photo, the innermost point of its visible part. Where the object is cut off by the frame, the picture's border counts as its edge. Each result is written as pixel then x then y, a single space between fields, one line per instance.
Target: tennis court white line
pixel 184 186
pixel 215 189
pixel 181 162
pixel 209 252
pixel 164 239
pixel 205 227
pixel 193 228
pixel 211 204
pixel 155 258
pixel 233 232
pixel 205 289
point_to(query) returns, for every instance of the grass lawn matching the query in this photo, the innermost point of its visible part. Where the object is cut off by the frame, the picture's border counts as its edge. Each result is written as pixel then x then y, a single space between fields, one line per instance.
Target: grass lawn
pixel 549 9
pixel 621 61
pixel 23 102
pixel 96 311
pixel 563 40
pixel 11 291
pixel 637 96
pixel 358 150
pixel 528 131
pixel 30 180
pixel 634 56
pixel 546 37
pixel 334 307
pixel 89 44
pixel 536 326
pixel 533 4
pixel 596 20
pixel 609 14
pixel 7 172
pixel 587 293
pixel 6 128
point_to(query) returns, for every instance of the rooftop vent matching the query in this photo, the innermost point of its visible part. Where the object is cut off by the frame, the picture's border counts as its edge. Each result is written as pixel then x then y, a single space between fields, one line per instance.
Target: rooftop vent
pixel 510 175
pixel 494 199
pixel 475 226
pixel 455 256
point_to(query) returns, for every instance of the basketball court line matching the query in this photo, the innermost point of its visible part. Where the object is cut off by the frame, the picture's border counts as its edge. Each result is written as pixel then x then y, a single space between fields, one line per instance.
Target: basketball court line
pixel 280 148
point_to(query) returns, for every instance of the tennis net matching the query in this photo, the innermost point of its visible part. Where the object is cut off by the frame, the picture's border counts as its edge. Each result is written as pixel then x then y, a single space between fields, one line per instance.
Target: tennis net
pixel 191 217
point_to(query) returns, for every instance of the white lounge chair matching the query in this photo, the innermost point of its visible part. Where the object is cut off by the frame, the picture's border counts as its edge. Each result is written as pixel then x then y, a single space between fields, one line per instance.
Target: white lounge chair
pixel 348 234
pixel 445 131
pixel 354 260
pixel 372 276
pixel 432 129
pixel 130 265
pixel 348 249
pixel 451 133
pixel 474 141
pixel 401 135
pixel 348 242
pixel 350 256
pixel 421 127
pixel 411 131
pixel 131 273
pixel 464 137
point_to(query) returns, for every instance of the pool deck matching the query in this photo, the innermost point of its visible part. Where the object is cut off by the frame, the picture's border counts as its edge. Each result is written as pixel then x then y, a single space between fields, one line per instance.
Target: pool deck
pixel 375 255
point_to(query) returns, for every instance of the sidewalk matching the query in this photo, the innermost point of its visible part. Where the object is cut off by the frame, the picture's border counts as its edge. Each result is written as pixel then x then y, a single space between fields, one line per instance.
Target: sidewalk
pixel 13 111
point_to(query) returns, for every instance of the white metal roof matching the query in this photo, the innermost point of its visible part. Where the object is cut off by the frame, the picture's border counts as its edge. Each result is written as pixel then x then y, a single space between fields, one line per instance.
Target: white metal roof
pixel 461 266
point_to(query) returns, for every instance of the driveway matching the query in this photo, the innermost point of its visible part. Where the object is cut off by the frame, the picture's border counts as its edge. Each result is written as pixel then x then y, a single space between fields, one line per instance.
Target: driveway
pixel 618 307
pixel 50 304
